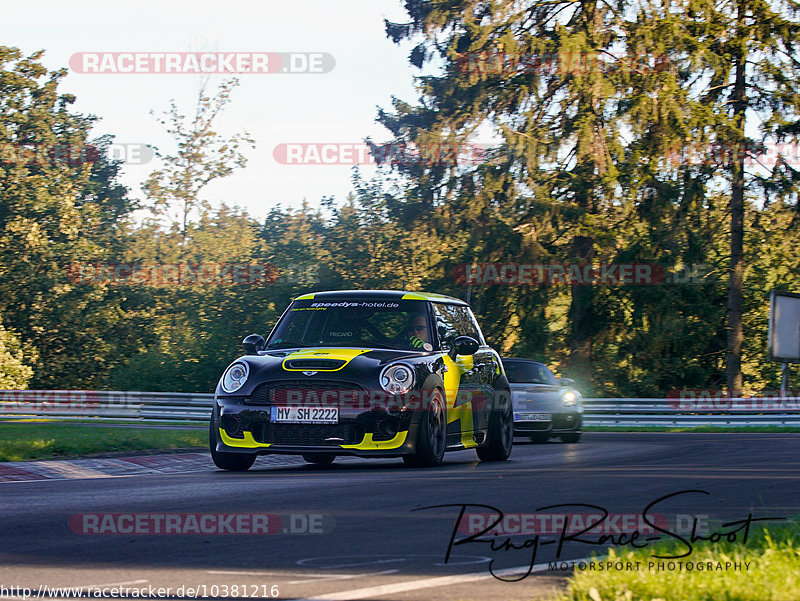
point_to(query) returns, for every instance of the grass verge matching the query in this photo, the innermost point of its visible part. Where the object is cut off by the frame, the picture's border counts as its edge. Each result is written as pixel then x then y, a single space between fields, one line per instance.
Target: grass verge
pixel 773 554
pixel 21 442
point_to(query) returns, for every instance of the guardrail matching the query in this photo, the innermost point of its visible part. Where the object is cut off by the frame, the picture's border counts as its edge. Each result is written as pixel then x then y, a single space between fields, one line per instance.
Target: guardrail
pixel 195 408
pixel 106 405
pixel 675 412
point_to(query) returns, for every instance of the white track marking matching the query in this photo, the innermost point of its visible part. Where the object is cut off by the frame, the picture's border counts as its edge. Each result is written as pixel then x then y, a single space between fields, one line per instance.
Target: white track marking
pixel 324 577
pixel 364 563
pixel 109 584
pixel 415 585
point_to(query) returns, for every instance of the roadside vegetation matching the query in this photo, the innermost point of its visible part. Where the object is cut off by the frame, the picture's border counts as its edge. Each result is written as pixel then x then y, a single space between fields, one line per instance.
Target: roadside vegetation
pixel 23 440
pixel 773 574
pixel 27 441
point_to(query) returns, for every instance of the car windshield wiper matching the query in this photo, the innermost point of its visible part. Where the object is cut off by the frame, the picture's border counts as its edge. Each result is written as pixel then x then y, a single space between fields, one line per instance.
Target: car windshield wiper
pixel 363 345
pixel 287 344
pixel 382 345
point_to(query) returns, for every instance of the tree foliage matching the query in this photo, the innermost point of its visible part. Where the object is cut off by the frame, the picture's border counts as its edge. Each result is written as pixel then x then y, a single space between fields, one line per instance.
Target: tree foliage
pixel 60 206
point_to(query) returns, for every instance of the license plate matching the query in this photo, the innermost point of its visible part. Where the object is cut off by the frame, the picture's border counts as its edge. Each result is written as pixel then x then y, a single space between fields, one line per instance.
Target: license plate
pixel 305 415
pixel 532 417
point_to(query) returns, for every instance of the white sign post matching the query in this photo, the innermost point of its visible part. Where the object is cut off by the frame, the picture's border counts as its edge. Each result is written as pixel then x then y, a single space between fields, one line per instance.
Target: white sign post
pixel 784 331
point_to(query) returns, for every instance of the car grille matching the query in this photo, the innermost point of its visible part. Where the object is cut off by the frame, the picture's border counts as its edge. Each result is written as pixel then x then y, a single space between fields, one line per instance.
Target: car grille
pixel 272 393
pixel 307 435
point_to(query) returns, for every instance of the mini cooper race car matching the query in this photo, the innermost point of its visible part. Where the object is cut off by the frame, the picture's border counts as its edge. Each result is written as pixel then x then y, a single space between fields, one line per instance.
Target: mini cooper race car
pixel 544 406
pixel 371 373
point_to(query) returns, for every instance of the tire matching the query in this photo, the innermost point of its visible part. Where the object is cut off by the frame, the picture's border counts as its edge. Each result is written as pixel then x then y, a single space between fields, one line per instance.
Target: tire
pixel 319 458
pixel 432 435
pixel 232 462
pixel 571 437
pixel 501 431
pixel 540 438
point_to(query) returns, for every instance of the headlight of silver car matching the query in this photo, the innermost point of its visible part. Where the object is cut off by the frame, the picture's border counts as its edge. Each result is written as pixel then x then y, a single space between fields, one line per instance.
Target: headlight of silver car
pixel 235 377
pixel 397 378
pixel 569 398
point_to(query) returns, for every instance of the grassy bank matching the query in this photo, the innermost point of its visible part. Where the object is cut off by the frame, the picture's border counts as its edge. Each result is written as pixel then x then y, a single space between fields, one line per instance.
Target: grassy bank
pixel 773 574
pixel 43 439
pixel 20 442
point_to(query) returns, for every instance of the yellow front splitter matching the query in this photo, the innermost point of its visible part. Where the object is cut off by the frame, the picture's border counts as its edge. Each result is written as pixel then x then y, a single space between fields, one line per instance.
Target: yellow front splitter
pixel 248 442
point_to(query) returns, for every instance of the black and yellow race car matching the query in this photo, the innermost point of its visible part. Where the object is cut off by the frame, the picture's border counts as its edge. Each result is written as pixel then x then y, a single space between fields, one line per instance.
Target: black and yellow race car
pixel 372 373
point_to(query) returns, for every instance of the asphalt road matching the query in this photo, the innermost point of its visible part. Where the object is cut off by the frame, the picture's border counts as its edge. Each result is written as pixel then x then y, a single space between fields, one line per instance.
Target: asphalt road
pixel 373 544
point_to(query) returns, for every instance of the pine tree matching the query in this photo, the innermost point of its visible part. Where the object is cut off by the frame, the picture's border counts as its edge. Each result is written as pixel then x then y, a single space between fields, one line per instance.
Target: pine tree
pixel 533 73
pixel 740 89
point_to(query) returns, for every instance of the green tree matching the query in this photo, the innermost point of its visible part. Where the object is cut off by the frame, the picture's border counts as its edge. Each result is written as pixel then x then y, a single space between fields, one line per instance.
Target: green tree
pixel 202 156
pixel 15 362
pixel 532 74
pixel 195 328
pixel 60 207
pixel 739 76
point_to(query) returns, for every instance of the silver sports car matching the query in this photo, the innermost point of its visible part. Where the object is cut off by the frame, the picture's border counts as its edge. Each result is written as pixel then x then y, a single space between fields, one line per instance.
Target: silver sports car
pixel 544 406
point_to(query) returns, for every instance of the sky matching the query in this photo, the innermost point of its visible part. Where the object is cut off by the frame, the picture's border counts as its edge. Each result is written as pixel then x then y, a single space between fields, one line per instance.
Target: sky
pixel 346 38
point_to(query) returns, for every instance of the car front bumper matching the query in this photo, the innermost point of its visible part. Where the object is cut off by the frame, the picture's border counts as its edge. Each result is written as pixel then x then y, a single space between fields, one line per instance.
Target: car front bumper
pixel 243 427
pixel 559 423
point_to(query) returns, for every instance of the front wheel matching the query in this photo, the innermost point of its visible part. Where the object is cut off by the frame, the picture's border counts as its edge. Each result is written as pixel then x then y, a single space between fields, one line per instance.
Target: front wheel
pixel 501 431
pixel 571 437
pixel 432 435
pixel 233 462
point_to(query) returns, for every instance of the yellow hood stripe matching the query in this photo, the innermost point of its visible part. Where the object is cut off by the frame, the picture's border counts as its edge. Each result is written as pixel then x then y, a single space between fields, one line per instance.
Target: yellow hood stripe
pixel 339 354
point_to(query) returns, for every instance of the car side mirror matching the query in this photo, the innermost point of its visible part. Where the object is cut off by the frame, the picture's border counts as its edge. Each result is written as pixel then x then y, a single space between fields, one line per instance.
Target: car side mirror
pixel 464 345
pixel 566 381
pixel 253 343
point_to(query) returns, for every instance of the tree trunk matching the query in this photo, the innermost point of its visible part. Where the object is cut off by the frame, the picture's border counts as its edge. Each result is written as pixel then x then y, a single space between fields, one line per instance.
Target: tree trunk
pixel 733 359
pixel 581 316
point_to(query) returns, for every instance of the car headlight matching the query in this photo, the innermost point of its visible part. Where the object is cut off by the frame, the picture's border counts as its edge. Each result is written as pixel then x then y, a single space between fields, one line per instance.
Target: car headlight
pixel 397 379
pixel 235 377
pixel 569 398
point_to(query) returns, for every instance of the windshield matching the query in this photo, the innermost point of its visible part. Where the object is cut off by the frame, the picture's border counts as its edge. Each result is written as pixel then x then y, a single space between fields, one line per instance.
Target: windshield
pixel 392 324
pixel 528 372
